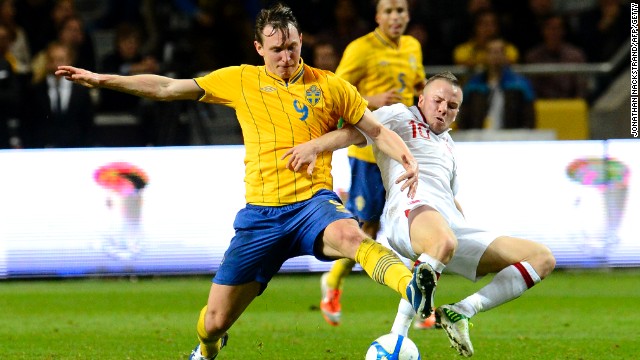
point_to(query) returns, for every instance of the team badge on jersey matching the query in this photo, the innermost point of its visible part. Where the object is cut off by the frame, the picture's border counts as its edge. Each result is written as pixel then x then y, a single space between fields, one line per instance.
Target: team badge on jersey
pixel 313 95
pixel 268 88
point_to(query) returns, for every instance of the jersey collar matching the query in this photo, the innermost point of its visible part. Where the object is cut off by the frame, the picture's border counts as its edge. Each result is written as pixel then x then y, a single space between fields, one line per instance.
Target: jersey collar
pixel 294 77
pixel 419 115
pixel 384 39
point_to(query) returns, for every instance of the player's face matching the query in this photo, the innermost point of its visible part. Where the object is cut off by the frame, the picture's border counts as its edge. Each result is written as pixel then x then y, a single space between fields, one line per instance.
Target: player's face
pixel 440 102
pixel 392 17
pixel 281 55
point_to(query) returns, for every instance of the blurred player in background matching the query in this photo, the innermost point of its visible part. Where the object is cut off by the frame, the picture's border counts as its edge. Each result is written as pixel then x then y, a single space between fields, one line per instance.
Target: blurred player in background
pixel 288 214
pixel 431 227
pixel 386 68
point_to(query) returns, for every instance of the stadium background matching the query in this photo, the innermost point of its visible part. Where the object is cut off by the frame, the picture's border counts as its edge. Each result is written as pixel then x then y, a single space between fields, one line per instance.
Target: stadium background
pixel 577 195
pixel 89 237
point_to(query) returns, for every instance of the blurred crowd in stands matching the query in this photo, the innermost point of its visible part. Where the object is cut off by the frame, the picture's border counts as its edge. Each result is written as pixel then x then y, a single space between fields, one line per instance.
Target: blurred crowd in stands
pixel 184 38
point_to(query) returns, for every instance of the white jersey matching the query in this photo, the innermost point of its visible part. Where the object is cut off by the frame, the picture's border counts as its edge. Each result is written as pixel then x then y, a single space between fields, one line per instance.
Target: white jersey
pixel 433 152
pixel 437 187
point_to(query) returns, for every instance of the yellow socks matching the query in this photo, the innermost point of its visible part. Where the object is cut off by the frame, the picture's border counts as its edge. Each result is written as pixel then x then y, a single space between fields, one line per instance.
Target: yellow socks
pixel 383 266
pixel 208 348
pixel 340 269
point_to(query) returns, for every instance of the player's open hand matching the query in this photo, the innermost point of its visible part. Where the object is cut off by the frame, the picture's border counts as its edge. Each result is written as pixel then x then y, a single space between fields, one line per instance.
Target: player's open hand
pixel 79 76
pixel 301 156
pixel 410 177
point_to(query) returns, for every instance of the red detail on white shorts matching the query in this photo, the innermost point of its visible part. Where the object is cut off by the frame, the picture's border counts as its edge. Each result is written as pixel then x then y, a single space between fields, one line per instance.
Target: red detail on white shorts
pixel 412 202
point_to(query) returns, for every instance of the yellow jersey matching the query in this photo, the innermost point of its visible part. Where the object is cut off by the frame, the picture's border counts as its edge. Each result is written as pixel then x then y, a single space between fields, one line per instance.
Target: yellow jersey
pixel 470 51
pixel 276 115
pixel 374 64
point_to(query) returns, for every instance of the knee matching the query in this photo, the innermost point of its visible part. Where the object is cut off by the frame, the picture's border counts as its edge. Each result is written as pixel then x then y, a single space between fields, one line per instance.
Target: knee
pixel 345 235
pixel 449 244
pixel 447 247
pixel 441 245
pixel 545 261
pixel 217 323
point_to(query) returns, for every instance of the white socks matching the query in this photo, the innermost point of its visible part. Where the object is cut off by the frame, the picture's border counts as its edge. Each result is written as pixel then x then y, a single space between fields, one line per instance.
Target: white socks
pixel 508 284
pixel 404 317
pixel 405 314
pixel 435 264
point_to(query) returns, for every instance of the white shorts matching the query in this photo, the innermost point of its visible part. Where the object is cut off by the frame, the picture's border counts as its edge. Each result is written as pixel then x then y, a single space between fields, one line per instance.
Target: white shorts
pixel 472 242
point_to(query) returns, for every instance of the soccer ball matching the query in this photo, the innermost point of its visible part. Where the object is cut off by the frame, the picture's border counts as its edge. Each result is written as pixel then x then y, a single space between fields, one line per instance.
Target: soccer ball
pixel 393 347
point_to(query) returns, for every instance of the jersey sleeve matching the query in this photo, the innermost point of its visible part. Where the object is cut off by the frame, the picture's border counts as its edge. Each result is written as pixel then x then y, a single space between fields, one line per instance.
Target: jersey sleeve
pixel 351 66
pixel 388 116
pixel 391 116
pixel 221 86
pixel 351 105
pixel 454 176
pixel 420 72
pixel 454 183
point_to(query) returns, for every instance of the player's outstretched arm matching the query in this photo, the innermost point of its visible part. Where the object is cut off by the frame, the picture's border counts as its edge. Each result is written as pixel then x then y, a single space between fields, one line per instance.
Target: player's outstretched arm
pixel 305 154
pixel 154 87
pixel 392 144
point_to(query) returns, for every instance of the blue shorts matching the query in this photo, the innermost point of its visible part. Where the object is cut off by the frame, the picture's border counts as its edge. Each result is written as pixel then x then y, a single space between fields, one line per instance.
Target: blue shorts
pixel 367 194
pixel 267 236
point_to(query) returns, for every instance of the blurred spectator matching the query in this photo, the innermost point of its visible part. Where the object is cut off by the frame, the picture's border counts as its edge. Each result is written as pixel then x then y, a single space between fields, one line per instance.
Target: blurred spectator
pixel 315 16
pixel 116 12
pixel 554 49
pixel 497 98
pixel 9 95
pixel 604 29
pixel 19 47
pixel 60 113
pixel 434 51
pixel 325 56
pixel 62 10
pixel 570 7
pixel 126 59
pixel 148 15
pixel 35 17
pixel 453 19
pixel 200 12
pixel 212 23
pixel 472 53
pixel 524 28
pixel 72 35
pixel 346 25
pixel 42 20
pixel 6 38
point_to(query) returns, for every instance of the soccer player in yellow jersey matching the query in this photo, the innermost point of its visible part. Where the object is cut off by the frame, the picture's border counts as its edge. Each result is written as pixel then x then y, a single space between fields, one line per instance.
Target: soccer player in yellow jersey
pixel 386 68
pixel 280 105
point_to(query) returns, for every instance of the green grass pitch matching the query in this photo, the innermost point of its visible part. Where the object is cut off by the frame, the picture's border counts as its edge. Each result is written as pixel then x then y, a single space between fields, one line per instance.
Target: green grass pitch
pixel 572 315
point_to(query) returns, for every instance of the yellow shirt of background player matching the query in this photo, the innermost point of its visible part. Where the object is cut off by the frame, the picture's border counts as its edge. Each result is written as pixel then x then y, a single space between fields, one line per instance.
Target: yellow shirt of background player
pixel 276 115
pixel 374 64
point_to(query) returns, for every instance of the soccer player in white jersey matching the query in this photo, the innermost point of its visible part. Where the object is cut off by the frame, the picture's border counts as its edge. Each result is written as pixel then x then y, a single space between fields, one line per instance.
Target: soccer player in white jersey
pixel 431 227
